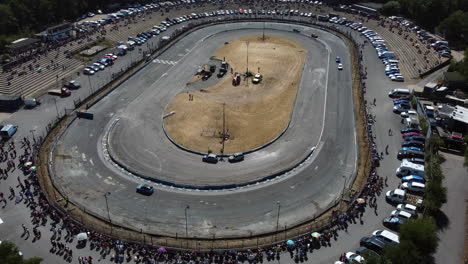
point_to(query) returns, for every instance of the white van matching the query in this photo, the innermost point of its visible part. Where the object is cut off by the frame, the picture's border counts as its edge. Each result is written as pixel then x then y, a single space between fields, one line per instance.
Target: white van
pixel 408 168
pixel 399 92
pixel 387 236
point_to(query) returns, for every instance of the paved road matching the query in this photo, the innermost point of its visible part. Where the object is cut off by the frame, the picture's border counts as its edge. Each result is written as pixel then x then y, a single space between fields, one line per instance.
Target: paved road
pixel 452 235
pixel 84 176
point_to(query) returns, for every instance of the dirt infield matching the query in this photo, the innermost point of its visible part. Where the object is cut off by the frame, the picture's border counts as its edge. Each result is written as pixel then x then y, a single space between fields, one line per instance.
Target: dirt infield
pixel 254 113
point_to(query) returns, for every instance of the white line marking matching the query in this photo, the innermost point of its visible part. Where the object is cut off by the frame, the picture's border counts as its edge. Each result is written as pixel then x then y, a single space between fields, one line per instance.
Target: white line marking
pixel 326 90
pixel 1 221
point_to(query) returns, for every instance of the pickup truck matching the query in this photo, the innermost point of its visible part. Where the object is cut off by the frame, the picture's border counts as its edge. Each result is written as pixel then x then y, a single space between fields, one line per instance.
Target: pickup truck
pixel 60 92
pixel 401 196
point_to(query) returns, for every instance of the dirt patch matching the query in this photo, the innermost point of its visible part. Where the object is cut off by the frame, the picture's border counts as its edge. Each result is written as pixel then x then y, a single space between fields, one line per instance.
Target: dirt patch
pixel 254 114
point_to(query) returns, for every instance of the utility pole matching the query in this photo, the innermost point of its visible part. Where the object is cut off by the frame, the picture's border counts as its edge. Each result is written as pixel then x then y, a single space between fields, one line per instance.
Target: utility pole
pixel 186 223
pixel 263 37
pixel 224 125
pixel 56 108
pixel 247 57
pixel 107 206
pixel 90 86
pixel 277 218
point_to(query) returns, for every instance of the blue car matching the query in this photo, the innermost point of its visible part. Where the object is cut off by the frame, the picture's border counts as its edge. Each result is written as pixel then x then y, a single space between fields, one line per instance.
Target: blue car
pixel 411 148
pixel 145 189
pixel 392 71
pixel 413 178
pixel 400 101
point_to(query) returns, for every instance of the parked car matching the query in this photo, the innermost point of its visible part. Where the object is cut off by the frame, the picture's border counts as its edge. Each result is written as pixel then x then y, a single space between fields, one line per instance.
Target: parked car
pixel 401 108
pixel 88 71
pixel 413 178
pixel 373 243
pixel 352 257
pixel 410 129
pixel 210 158
pixel 414 187
pixel 145 189
pixel 393 222
pixel 406 154
pixel 417 161
pixel 73 85
pixel 421 139
pixel 411 134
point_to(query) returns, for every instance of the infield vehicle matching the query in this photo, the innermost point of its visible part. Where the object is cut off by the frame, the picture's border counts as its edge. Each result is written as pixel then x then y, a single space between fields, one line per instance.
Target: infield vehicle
pixel 340 66
pixel 257 78
pixel 145 189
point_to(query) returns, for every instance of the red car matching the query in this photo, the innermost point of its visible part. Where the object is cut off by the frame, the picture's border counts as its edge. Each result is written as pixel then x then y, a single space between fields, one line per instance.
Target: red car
pixel 111 56
pixel 401 98
pixel 409 134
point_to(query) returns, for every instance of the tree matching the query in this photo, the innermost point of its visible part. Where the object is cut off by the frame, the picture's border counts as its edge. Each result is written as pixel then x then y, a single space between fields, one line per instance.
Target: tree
pixel 403 253
pixel 9 254
pixel 390 8
pixel 422 233
pixel 8 23
pixel 436 196
pixel 434 144
pixel 455 27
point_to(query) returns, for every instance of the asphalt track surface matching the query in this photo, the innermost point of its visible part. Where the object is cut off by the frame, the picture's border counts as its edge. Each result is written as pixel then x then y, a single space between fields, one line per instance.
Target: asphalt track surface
pixel 84 173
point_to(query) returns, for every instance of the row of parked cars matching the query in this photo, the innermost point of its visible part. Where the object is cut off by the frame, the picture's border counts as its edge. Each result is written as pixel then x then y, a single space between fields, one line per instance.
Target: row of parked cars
pixel 408 197
pixel 441 46
pixel 388 57
pixel 101 64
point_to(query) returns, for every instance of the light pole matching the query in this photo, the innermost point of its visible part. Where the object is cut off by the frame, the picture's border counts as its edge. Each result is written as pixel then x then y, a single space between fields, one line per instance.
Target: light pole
pixel 32 132
pixel 186 221
pixel 247 57
pixel 56 108
pixel 90 86
pixel 107 206
pixel 277 218
pixel 344 186
pixel 263 38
